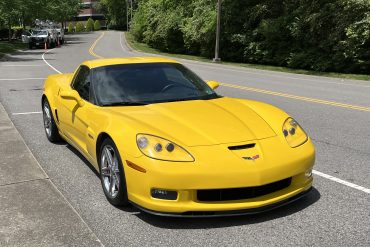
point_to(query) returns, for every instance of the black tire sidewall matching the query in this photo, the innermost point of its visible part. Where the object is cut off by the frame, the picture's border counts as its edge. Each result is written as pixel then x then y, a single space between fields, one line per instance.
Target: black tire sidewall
pixel 54 132
pixel 121 199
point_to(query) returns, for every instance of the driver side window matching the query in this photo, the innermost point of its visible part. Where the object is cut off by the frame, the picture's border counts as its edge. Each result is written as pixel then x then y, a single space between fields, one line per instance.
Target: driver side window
pixel 81 82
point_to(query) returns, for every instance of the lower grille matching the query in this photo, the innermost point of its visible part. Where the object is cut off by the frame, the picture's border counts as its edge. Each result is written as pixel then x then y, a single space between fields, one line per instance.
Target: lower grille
pixel 241 193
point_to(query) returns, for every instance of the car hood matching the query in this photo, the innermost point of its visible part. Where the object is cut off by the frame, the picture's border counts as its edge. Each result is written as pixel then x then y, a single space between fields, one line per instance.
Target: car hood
pixel 201 122
pixel 39 36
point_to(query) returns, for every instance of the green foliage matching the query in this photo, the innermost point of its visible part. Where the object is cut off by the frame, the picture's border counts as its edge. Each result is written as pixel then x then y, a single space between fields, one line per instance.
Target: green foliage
pixel 80 27
pixel 70 27
pixel 97 25
pixel 313 35
pixel 24 12
pixel 90 25
pixel 115 12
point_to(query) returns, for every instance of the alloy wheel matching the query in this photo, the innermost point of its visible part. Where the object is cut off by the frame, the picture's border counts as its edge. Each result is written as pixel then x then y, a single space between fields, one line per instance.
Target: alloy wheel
pixel 109 171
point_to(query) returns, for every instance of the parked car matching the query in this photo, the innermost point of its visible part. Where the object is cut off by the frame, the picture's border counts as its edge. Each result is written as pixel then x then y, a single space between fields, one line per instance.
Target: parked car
pixel 162 139
pixel 40 38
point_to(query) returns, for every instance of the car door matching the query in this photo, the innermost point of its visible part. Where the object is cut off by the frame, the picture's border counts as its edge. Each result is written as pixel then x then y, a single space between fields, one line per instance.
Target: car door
pixel 26 37
pixel 73 117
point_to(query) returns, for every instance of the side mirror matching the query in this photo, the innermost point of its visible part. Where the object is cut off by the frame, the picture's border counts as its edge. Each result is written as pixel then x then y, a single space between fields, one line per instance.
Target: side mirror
pixel 213 84
pixel 72 95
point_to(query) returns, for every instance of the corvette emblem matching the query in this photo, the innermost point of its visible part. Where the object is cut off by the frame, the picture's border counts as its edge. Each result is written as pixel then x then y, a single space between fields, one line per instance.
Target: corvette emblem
pixel 252 157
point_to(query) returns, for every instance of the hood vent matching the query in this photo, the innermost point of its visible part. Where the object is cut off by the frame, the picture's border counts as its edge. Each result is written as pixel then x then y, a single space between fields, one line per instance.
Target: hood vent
pixel 241 147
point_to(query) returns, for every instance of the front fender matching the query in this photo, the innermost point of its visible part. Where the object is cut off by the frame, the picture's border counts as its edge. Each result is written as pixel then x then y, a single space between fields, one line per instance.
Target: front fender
pixel 274 116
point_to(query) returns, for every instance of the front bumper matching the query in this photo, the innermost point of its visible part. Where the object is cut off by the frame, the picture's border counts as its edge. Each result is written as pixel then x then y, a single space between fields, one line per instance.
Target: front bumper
pixel 215 168
pixel 210 214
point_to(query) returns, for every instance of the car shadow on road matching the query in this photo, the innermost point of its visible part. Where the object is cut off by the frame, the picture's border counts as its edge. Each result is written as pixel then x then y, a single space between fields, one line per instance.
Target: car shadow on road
pixel 73 37
pixel 73 150
pixel 220 222
pixel 34 51
pixel 27 56
pixel 68 43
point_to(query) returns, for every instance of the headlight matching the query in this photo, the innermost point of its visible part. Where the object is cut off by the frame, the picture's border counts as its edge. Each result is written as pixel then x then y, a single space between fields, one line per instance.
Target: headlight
pixel 161 149
pixel 294 134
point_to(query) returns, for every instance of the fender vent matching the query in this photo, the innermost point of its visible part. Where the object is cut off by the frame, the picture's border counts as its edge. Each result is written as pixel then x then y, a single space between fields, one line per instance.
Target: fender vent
pixel 241 147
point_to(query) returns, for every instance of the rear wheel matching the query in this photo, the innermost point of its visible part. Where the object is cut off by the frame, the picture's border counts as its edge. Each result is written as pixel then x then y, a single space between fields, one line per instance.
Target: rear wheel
pixel 112 174
pixel 50 126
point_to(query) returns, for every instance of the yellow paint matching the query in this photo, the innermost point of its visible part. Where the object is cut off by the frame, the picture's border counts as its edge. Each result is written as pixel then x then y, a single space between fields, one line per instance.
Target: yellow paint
pixel 130 60
pixel 291 96
pixel 202 128
pixel 91 50
pixel 205 129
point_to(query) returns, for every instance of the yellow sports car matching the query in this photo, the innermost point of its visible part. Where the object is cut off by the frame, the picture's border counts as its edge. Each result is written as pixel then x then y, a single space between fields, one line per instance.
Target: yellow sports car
pixel 164 141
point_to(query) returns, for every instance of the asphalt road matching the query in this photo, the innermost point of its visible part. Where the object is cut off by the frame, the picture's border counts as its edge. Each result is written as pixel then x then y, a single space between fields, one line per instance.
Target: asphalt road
pixel 335 112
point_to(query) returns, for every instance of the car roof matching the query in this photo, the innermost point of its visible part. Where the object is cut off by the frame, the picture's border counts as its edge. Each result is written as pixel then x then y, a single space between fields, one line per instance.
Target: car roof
pixel 131 60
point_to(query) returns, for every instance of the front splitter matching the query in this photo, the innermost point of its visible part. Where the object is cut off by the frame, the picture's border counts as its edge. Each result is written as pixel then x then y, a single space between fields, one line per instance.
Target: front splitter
pixel 210 214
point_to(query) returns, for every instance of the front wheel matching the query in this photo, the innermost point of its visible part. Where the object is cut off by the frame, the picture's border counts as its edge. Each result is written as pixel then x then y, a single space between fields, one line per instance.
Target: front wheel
pixel 112 174
pixel 50 126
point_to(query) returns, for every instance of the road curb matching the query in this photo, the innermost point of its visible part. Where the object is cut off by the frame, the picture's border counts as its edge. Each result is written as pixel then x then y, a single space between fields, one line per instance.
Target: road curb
pixel 37 198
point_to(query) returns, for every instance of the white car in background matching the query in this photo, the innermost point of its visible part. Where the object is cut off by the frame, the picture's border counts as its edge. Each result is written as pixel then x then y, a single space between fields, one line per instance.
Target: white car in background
pixel 40 39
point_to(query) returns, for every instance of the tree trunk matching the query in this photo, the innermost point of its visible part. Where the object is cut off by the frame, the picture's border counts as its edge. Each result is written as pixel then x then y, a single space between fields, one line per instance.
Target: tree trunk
pixel 9 30
pixel 23 20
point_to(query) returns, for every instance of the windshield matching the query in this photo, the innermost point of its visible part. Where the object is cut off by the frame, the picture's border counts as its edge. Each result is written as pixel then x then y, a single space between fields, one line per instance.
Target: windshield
pixel 135 84
pixel 39 32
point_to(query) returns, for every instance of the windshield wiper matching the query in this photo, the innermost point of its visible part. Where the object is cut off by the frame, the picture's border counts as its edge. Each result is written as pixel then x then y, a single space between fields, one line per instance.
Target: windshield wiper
pixel 210 96
pixel 124 104
pixel 205 97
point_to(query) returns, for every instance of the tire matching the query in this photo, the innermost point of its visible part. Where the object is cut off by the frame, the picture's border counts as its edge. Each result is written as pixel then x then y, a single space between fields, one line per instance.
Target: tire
pixel 30 46
pixel 112 174
pixel 51 129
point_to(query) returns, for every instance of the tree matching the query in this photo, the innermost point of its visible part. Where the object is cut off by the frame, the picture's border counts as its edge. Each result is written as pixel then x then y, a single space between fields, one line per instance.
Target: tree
pixel 10 13
pixel 80 27
pixel 115 12
pixel 61 10
pixel 314 35
pixel 90 25
pixel 97 25
pixel 70 27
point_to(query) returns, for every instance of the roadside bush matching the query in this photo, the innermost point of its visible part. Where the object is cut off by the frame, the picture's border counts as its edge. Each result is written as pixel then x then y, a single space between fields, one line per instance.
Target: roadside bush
pixel 70 27
pixel 90 25
pixel 314 35
pixel 80 27
pixel 97 25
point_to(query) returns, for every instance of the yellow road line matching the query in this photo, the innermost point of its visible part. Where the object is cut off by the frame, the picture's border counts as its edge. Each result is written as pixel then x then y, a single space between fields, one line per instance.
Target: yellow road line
pixel 91 50
pixel 307 99
pixel 256 90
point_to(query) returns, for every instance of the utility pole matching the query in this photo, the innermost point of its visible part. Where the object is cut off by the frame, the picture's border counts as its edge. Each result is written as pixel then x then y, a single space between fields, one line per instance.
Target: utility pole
pixel 132 8
pixel 127 16
pixel 218 31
